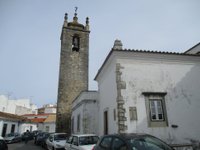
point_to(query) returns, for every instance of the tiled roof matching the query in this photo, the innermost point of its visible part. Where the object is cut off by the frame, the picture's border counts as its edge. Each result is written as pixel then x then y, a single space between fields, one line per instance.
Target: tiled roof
pixel 14 117
pixel 37 114
pixel 51 118
pixel 38 120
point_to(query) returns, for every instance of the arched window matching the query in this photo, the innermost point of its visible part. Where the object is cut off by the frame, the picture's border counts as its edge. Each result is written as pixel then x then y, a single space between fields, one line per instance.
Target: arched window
pixel 75 43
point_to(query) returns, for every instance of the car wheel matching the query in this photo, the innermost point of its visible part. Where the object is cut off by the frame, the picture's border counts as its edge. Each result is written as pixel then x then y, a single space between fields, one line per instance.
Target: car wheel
pixel 53 148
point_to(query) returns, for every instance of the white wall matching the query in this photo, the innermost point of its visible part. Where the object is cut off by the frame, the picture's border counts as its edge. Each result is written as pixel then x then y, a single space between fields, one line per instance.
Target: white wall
pixel 107 98
pixel 180 80
pixel 52 127
pixel 27 126
pixel 177 75
pixel 86 106
pixel 18 106
pixel 9 125
pixel 49 110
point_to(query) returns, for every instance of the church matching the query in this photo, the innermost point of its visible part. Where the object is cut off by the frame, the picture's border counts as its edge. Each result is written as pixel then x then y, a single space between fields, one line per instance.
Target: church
pixel 139 91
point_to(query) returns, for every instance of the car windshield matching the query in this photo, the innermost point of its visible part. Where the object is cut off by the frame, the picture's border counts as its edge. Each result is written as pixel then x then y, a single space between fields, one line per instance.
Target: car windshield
pixel 148 143
pixel 87 140
pixel 60 137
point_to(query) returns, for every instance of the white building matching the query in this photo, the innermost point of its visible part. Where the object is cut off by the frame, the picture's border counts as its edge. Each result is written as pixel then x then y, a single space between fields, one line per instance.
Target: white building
pixel 44 122
pixel 47 109
pixel 17 106
pixel 85 113
pixel 10 123
pixel 149 92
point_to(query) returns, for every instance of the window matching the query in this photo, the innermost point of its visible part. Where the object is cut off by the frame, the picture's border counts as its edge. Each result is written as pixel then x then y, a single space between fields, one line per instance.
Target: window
pixel 156 109
pixel 47 129
pixel 78 122
pixel 75 43
pixel 13 128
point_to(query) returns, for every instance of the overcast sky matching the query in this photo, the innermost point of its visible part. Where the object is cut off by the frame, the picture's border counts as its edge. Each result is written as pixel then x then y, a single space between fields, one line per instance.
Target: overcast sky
pixel 30 37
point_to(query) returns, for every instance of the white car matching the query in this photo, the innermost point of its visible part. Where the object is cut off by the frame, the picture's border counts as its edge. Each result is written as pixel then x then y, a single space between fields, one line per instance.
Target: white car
pixel 81 142
pixel 56 141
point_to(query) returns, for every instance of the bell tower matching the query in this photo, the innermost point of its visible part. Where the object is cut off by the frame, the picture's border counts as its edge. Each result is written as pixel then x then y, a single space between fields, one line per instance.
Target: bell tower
pixel 73 74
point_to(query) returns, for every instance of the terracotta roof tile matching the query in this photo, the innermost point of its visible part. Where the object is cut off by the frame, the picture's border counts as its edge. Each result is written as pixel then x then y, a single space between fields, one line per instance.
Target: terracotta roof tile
pixel 9 116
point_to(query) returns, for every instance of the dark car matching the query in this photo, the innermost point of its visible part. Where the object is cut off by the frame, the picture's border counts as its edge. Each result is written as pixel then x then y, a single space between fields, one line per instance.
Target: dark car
pixel 3 144
pixel 131 142
pixel 41 137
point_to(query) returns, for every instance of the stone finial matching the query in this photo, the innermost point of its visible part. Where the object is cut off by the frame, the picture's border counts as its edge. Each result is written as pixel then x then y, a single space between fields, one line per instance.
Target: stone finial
pixel 66 16
pixel 65 20
pixel 117 44
pixel 87 23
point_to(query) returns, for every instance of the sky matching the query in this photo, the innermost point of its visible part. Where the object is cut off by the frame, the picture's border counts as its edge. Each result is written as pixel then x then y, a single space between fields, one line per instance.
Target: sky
pixel 30 37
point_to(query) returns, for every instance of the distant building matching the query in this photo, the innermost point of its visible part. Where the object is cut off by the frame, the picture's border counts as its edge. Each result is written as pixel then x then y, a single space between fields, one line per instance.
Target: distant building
pixel 17 106
pixel 44 122
pixel 46 109
pixel 10 123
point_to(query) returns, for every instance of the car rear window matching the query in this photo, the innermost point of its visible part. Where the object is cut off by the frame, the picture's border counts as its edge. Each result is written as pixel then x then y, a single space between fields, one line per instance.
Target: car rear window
pixel 60 137
pixel 88 140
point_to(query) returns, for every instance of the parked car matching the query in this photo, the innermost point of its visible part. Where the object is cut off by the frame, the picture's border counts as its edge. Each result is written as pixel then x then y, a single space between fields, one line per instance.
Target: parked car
pixel 12 138
pixel 43 141
pixel 3 144
pixel 131 142
pixel 56 141
pixel 81 142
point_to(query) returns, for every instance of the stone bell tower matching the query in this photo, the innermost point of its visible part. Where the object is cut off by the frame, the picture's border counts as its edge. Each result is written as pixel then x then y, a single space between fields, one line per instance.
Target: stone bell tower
pixel 73 75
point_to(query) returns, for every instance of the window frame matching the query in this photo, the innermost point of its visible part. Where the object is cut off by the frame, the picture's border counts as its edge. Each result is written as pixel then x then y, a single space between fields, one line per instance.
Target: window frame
pixel 156 96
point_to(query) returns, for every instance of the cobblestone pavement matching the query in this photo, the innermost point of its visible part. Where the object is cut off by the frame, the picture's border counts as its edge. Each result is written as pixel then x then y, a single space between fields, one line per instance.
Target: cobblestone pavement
pixel 22 146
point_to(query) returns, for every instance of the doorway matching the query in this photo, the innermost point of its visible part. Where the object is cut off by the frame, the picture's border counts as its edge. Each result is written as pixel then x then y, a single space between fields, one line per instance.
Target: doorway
pixel 4 130
pixel 13 128
pixel 105 122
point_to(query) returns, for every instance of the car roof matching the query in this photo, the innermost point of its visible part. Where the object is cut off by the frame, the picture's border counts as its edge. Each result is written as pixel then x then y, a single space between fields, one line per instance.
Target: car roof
pixel 129 135
pixel 83 135
pixel 58 133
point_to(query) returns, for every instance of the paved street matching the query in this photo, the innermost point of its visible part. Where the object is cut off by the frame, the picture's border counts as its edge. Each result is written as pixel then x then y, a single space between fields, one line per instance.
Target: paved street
pixel 22 146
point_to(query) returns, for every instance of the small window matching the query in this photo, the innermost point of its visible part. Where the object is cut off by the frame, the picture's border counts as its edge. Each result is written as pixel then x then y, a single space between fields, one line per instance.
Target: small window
pixel 47 129
pixel 106 142
pixel 75 43
pixel 156 109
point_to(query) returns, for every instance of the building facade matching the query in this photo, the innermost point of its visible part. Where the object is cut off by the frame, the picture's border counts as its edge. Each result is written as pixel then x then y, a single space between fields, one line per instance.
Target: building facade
pixel 150 92
pixel 73 75
pixel 10 123
pixel 17 106
pixel 85 113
